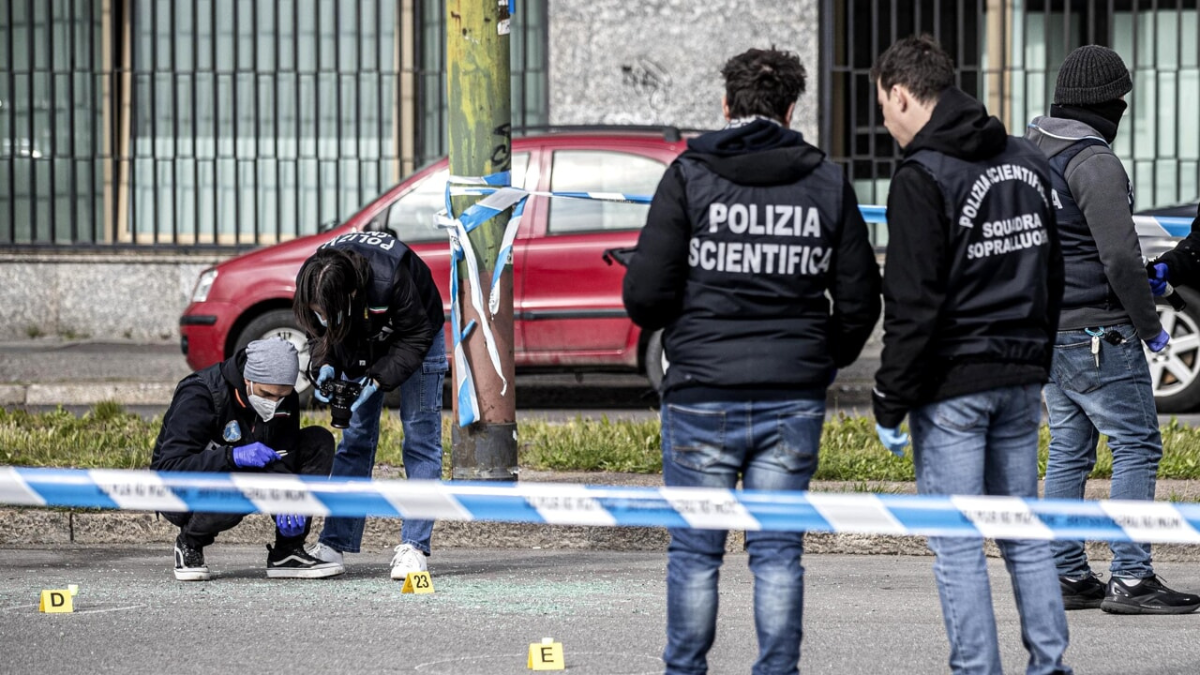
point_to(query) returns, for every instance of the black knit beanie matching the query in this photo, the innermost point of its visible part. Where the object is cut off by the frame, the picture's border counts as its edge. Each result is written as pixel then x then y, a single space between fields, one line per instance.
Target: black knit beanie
pixel 1092 74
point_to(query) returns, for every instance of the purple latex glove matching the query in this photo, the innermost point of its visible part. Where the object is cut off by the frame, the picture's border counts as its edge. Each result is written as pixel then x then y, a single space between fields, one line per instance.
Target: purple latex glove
pixel 291 525
pixel 1159 343
pixel 255 455
pixel 1158 279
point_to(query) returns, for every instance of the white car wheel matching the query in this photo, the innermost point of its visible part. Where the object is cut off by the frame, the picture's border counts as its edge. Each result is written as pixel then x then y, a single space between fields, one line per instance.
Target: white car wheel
pixel 1175 371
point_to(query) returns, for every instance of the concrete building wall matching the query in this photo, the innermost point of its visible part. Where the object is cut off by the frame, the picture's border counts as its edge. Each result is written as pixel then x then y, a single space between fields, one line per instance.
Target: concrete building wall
pixel 137 296
pixel 659 61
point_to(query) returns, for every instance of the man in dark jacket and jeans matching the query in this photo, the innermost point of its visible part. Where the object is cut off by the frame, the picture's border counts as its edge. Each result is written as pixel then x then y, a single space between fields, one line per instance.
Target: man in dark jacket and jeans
pixel 971 292
pixel 243 415
pixel 749 230
pixel 1100 383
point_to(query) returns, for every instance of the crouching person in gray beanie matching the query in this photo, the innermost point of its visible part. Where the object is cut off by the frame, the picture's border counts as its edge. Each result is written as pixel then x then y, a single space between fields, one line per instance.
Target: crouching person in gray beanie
pixel 243 415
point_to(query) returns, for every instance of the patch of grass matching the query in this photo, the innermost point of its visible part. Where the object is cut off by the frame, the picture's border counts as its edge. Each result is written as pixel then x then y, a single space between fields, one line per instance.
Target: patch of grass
pixel 592 445
pixel 108 436
pixel 34 332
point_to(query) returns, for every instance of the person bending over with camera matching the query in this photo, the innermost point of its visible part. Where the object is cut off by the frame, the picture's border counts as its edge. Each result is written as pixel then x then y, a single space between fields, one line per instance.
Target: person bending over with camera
pixel 375 322
pixel 243 415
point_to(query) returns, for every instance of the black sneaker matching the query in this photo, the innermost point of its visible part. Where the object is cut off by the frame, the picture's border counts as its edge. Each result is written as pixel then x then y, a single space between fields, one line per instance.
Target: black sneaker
pixel 1085 593
pixel 296 563
pixel 1146 596
pixel 189 561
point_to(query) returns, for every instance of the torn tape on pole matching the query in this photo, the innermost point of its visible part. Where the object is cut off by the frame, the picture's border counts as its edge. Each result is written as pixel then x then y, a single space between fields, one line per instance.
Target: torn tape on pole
pixel 602 505
pixel 461 250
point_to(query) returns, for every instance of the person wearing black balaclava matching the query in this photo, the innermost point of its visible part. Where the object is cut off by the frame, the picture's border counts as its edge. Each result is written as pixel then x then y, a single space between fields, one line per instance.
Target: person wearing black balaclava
pixel 1099 379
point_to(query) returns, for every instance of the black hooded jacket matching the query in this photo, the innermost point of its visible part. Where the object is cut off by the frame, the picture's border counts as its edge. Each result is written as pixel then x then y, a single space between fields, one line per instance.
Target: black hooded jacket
pixel 210 415
pixel 748 232
pixel 1183 261
pixel 930 353
pixel 402 316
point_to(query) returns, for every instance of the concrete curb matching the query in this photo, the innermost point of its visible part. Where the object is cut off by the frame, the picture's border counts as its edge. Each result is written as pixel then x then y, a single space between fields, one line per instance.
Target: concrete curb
pixel 125 393
pixel 38 527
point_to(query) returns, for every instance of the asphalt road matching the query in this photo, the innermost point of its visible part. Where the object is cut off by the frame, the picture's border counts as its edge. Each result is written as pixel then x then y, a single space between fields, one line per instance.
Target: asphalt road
pixel 864 614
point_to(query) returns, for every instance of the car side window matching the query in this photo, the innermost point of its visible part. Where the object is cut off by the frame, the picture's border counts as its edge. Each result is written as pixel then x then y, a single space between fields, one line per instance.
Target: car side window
pixel 600 171
pixel 410 217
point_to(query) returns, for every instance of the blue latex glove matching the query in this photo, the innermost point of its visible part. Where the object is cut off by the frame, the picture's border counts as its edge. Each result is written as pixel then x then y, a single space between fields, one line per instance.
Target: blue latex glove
pixel 892 439
pixel 324 375
pixel 1158 280
pixel 1159 343
pixel 254 455
pixel 290 525
pixel 369 388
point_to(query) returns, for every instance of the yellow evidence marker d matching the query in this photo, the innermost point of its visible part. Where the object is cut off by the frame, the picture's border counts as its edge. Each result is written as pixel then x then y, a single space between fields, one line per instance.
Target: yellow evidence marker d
pixel 546 656
pixel 417 582
pixel 56 602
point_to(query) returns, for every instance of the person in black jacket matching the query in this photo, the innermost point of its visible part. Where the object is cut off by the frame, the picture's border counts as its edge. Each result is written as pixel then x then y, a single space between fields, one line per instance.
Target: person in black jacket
pixel 750 234
pixel 243 415
pixel 1181 265
pixel 375 315
pixel 971 289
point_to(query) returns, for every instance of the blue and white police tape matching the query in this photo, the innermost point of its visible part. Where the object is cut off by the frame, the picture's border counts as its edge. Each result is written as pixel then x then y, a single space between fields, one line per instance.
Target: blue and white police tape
pixel 601 505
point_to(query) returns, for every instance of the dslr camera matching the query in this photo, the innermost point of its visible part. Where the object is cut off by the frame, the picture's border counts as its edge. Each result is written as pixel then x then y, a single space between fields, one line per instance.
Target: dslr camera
pixel 341 395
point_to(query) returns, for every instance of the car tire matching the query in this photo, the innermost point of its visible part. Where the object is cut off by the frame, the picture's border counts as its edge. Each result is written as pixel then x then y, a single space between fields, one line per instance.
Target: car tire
pixel 1175 372
pixel 281 323
pixel 654 360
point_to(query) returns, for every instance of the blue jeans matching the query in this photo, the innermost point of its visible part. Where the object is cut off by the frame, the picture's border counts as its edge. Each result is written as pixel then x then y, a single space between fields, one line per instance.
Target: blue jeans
pixel 1117 400
pixel 987 444
pixel 773 446
pixel 421 417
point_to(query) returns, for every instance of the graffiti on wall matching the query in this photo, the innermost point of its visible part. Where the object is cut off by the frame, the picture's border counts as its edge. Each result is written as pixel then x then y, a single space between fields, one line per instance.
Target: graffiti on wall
pixel 650 83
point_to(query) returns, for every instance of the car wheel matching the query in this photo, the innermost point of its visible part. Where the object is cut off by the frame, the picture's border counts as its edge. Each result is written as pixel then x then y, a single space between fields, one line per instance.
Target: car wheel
pixel 1175 372
pixel 655 360
pixel 281 323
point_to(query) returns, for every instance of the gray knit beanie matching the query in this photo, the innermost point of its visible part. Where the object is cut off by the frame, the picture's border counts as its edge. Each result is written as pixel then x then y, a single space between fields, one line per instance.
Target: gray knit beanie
pixel 1092 74
pixel 272 361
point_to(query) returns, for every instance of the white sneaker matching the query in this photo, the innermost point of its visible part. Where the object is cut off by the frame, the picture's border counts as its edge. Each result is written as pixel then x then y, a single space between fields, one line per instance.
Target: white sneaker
pixel 406 561
pixel 326 554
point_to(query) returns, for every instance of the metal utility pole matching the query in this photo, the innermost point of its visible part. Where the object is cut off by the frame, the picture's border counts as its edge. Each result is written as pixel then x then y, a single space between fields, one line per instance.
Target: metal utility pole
pixel 480 114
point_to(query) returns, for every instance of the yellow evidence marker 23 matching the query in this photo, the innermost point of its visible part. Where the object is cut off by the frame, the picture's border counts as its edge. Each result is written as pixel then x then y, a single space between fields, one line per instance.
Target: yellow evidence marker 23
pixel 56 602
pixel 417 582
pixel 546 656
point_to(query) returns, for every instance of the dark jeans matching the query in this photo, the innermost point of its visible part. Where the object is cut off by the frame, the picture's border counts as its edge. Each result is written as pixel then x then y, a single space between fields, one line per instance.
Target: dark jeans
pixel 313 457
pixel 772 445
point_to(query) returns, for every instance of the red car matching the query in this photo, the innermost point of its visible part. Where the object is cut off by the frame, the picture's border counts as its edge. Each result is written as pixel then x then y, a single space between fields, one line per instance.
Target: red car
pixel 567 301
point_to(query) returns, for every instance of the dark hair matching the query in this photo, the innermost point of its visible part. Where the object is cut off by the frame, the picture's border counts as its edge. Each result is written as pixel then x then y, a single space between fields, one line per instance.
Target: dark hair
pixel 329 279
pixel 763 82
pixel 917 63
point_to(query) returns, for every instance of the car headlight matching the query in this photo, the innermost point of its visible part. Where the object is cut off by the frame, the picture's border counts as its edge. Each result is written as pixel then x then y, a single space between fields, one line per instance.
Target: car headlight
pixel 204 285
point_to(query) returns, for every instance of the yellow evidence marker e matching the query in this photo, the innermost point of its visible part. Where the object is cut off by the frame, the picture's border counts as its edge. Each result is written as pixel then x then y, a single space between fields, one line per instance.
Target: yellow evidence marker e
pixel 546 656
pixel 56 602
pixel 417 582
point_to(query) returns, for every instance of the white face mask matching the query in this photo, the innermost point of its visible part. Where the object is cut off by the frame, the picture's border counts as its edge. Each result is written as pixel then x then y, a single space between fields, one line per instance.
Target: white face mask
pixel 264 408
